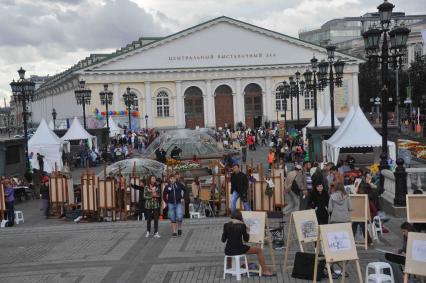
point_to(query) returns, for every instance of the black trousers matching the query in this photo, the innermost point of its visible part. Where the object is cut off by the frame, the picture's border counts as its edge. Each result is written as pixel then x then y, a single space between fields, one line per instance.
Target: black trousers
pixel 151 214
pixel 10 206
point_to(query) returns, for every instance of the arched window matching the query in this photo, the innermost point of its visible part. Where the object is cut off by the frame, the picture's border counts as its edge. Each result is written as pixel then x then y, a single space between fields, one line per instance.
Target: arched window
pixel 309 100
pixel 163 106
pixel 280 101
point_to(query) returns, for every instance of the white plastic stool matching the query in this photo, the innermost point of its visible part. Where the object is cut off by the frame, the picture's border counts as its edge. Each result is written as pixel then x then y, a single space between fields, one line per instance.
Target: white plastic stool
pixel 236 266
pixel 378 268
pixel 378 225
pixel 379 278
pixel 19 216
pixel 194 214
pixel 191 208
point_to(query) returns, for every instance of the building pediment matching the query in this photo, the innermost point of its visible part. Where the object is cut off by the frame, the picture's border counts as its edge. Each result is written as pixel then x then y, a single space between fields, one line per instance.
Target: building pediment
pixel 222 42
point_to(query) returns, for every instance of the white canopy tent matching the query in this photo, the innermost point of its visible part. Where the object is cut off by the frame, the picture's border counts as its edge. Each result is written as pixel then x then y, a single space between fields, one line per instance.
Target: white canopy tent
pixel 326 121
pixel 77 132
pixel 51 126
pixel 114 130
pixel 47 143
pixel 355 132
pixel 320 117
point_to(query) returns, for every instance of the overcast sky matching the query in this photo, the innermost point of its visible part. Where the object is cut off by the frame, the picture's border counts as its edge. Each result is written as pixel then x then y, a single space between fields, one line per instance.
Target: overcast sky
pixel 48 36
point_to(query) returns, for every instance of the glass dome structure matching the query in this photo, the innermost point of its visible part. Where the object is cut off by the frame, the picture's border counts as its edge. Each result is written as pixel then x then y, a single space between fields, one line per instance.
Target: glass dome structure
pixel 139 166
pixel 191 142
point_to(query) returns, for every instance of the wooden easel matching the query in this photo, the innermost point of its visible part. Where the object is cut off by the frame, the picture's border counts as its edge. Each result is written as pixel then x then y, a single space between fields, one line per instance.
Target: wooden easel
pixel 106 196
pixel 361 213
pixel 262 235
pixel 121 190
pixel 134 194
pixel 2 202
pixel 416 212
pixel 306 226
pixel 89 203
pixel 338 245
pixel 58 192
pixel 415 259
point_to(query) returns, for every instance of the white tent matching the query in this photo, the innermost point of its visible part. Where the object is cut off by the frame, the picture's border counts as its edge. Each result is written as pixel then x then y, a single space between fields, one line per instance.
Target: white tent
pixel 113 128
pixel 326 121
pixel 47 143
pixel 51 126
pixel 355 132
pixel 320 117
pixel 77 132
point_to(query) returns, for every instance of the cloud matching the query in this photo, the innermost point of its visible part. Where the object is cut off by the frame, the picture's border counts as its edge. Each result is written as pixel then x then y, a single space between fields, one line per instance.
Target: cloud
pixel 48 36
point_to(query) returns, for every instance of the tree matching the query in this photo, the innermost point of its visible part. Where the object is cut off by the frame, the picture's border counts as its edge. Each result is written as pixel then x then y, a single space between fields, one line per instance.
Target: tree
pixel 417 77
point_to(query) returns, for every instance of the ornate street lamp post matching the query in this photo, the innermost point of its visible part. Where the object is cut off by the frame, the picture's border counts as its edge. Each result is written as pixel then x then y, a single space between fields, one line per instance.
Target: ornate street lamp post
pixel 388 54
pixel 146 121
pixel 54 114
pixel 283 91
pixel 106 99
pixel 295 89
pixel 83 96
pixel 312 85
pixel 23 91
pixel 326 69
pixel 129 100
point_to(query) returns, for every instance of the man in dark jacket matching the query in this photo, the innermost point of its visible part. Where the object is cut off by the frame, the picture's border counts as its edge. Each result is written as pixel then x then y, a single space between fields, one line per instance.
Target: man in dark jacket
pixel 173 196
pixel 44 190
pixel 239 188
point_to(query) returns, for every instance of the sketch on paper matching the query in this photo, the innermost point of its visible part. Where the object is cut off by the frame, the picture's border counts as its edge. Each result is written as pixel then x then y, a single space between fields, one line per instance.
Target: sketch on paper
pixel 419 250
pixel 309 229
pixel 339 241
pixel 254 226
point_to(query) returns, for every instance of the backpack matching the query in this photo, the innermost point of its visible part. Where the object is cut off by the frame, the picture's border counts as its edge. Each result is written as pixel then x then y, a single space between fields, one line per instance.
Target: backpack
pixel 294 187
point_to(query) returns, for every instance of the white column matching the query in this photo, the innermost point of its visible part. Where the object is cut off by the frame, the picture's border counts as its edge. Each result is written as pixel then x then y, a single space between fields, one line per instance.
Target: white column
pixel 269 112
pixel 240 102
pixel 205 111
pixel 179 108
pixel 210 109
pixel 116 97
pixel 235 108
pixel 148 105
pixel 355 89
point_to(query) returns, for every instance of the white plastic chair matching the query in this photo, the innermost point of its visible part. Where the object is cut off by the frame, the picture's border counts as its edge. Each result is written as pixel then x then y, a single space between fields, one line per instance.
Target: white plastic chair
pixel 378 225
pixel 19 217
pixel 236 269
pixel 378 268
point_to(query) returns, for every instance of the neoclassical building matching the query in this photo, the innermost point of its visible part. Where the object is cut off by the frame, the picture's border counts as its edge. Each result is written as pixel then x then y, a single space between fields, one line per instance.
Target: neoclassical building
pixel 218 73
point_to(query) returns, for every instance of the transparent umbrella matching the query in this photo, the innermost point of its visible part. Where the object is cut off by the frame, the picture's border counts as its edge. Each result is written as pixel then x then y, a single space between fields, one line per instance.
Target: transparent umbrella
pixel 139 166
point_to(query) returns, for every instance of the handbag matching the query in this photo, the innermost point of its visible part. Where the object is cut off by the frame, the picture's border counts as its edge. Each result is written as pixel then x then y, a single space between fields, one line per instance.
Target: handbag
pixel 304 266
pixel 295 188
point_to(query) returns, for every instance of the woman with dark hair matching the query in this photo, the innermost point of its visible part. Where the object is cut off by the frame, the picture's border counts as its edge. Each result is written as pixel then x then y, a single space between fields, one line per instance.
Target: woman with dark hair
pixel 233 234
pixel 152 196
pixel 319 201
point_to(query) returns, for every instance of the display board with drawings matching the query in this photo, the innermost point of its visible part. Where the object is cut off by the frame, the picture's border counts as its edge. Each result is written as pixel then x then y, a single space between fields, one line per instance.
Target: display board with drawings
pixel 306 225
pixel 255 221
pixel 338 245
pixel 361 212
pixel 415 260
pixel 416 212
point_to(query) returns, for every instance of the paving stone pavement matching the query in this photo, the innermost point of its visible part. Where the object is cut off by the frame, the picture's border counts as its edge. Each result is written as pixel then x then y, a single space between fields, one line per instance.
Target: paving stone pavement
pixel 119 252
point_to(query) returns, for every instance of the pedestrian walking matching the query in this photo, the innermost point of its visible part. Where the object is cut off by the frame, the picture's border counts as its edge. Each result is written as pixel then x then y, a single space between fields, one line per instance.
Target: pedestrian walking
pixel 239 188
pixel 173 196
pixel 152 194
pixel 339 205
pixel 44 190
pixel 40 159
pixel 9 194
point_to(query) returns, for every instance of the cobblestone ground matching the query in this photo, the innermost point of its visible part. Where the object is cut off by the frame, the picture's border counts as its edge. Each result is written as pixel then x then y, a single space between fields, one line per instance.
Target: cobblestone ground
pixel 57 251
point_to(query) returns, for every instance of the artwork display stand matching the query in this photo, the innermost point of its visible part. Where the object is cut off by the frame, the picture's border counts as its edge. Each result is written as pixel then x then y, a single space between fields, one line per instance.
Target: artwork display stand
pixel 338 245
pixel 259 232
pixel 107 197
pixel 306 226
pixel 415 258
pixel 89 204
pixel 58 193
pixel 416 212
pixel 361 213
pixel 2 202
pixel 134 194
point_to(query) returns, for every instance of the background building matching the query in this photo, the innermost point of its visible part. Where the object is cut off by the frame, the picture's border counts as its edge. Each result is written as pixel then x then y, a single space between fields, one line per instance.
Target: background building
pixel 217 73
